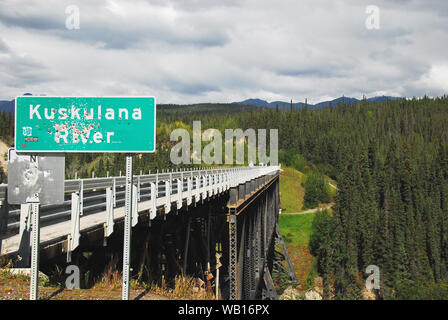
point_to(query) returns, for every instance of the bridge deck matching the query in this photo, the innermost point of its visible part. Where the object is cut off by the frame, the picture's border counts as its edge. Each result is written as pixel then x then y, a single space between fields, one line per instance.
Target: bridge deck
pixel 58 231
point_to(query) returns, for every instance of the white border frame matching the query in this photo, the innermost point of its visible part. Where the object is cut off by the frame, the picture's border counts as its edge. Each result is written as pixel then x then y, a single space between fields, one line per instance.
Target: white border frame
pixel 83 151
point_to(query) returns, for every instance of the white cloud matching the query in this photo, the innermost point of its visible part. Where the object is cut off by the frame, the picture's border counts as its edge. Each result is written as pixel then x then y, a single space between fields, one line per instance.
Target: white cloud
pixel 203 50
pixel 436 79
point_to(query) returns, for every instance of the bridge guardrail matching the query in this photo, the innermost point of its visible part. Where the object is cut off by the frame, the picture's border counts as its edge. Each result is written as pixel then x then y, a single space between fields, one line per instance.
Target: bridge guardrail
pixel 94 192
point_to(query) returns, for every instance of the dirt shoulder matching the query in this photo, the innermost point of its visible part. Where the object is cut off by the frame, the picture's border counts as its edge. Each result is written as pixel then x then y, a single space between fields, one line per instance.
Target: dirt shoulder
pixel 3 155
pixel 17 288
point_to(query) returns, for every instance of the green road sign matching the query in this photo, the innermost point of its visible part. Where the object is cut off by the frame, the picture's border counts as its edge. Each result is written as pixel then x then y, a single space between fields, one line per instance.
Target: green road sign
pixel 85 124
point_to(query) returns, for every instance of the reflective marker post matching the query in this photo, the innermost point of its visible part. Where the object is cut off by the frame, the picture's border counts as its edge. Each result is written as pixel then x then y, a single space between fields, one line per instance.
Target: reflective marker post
pixel 35 236
pixel 127 228
pixel 34 277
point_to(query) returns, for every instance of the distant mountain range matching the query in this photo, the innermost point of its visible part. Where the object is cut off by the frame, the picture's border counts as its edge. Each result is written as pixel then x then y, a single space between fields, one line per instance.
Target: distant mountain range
pixel 347 100
pixel 8 105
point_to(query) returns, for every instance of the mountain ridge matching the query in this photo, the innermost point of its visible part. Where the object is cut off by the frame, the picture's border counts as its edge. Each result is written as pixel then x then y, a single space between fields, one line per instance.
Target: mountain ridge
pixel 323 104
pixel 8 105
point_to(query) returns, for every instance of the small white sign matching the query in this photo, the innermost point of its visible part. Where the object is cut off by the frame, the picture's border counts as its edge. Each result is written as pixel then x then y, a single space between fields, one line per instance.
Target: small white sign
pixel 35 176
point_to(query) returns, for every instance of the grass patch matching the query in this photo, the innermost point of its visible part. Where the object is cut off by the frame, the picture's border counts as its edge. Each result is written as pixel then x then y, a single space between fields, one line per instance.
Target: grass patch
pixel 291 190
pixel 186 288
pixel 296 232
pixel 296 229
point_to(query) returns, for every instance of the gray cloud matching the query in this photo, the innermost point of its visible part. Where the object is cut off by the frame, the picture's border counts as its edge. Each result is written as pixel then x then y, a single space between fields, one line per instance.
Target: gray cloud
pixel 111 26
pixel 29 21
pixel 20 71
pixel 193 88
pixel 214 50
pixel 195 5
pixel 3 46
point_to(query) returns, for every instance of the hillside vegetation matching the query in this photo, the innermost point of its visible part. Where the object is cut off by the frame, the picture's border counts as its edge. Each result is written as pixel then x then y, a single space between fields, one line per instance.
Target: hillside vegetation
pixel 6 140
pixel 296 228
pixel 296 232
pixel 3 162
pixel 292 191
pixel 390 161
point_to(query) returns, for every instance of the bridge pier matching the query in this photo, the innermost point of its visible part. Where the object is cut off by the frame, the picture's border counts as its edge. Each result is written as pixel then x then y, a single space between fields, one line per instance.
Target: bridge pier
pixel 252 216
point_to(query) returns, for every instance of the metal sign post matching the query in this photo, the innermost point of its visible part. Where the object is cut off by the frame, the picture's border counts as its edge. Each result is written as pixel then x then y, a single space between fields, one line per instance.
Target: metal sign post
pixel 127 228
pixel 34 281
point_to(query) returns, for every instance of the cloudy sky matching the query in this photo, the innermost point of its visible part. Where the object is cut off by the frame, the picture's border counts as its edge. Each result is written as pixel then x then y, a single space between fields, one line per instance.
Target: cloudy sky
pixel 224 50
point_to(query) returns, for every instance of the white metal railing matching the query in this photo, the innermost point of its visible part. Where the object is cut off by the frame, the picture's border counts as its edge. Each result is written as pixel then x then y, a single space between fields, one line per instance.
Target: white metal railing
pixel 102 196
